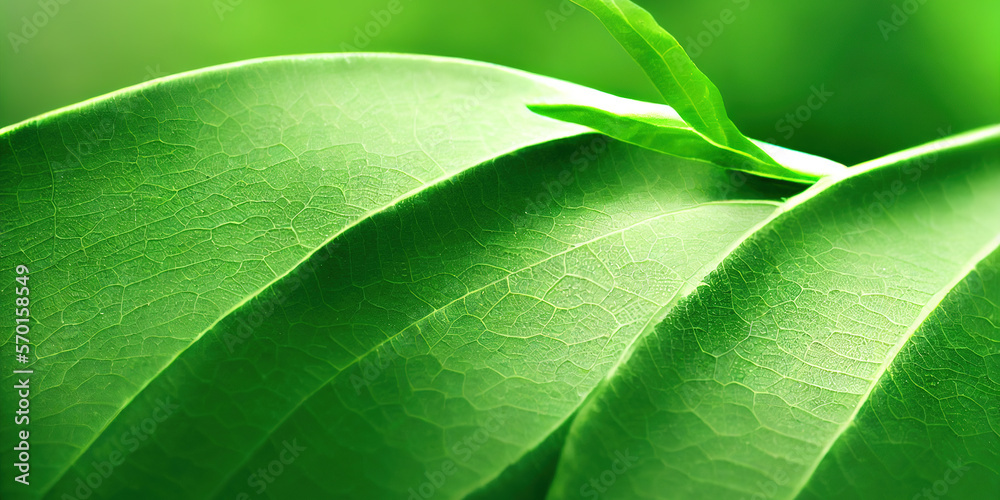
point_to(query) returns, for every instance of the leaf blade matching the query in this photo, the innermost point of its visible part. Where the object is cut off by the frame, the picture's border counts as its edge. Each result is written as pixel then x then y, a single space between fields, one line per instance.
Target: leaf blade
pixel 931 391
pixel 684 87
pixel 155 166
pixel 750 380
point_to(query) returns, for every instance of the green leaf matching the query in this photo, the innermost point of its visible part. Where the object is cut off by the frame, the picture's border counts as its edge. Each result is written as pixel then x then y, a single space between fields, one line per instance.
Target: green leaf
pixel 659 128
pixel 847 349
pixel 930 423
pixel 147 215
pixel 685 88
pixel 336 253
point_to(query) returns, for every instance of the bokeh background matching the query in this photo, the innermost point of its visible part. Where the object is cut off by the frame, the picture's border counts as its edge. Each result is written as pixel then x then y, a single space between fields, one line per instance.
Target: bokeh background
pixel 901 72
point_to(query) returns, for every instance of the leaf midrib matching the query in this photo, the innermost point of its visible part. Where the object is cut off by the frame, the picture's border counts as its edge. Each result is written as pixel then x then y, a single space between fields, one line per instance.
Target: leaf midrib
pixel 918 322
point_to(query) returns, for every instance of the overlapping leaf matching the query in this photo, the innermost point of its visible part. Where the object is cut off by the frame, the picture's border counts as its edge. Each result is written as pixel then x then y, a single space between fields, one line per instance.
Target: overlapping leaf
pixel 699 128
pixel 848 349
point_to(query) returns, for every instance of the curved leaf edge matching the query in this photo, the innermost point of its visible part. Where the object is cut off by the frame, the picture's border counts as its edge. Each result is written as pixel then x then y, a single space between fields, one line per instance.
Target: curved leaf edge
pixel 980 138
pixel 136 89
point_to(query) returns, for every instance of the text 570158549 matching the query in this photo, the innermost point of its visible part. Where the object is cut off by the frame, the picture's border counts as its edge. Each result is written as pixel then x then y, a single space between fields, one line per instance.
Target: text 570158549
pixel 22 353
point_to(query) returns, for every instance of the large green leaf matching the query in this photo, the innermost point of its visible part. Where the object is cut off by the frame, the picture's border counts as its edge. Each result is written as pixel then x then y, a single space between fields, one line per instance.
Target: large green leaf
pixel 932 421
pixel 848 349
pixel 245 242
pixel 150 213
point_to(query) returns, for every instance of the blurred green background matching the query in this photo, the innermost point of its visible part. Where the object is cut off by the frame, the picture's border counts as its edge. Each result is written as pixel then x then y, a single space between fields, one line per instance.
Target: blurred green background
pixel 897 79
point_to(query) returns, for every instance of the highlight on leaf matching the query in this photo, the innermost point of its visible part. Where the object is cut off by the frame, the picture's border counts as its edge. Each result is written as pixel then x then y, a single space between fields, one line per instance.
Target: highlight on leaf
pixel 661 129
